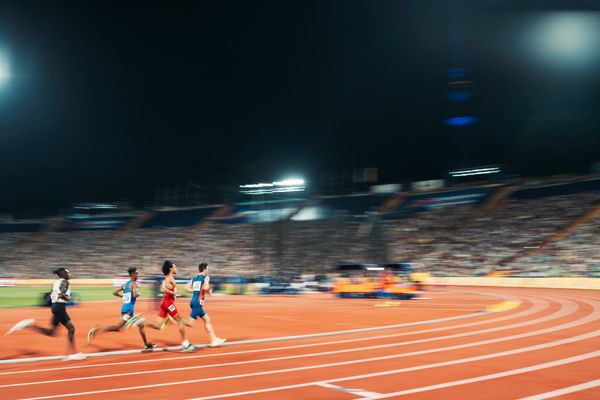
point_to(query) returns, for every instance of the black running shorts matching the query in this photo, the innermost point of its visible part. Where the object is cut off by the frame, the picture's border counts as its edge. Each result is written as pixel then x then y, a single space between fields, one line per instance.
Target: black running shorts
pixel 59 314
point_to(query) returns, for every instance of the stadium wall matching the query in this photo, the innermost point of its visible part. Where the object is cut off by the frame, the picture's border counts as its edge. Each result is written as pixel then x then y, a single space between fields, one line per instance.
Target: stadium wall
pixel 556 283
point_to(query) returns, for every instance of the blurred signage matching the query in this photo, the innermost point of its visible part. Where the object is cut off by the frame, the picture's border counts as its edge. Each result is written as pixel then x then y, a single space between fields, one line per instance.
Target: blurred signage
pixel 390 188
pixel 423 186
pixel 455 199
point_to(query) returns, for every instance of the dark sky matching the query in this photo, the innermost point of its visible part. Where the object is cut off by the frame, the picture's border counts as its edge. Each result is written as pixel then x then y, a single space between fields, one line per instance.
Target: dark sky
pixel 110 100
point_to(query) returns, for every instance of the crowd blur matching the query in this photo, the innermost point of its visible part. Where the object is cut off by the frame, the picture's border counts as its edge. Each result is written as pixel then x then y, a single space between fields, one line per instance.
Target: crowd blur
pixel 454 240
pixel 507 238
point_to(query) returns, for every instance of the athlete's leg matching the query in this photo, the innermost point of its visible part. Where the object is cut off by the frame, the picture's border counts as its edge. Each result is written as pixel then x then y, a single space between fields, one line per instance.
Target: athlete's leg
pixel 158 324
pixel 71 329
pixel 181 325
pixel 147 344
pixel 113 328
pixel 209 328
pixel 47 331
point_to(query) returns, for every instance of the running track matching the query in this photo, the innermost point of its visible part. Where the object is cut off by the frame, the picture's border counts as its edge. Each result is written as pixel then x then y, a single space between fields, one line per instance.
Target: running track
pixel 547 347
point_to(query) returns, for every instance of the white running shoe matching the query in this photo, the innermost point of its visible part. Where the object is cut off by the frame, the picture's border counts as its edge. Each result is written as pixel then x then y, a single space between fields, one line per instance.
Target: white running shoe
pixel 20 326
pixel 75 357
pixel 217 342
pixel 131 321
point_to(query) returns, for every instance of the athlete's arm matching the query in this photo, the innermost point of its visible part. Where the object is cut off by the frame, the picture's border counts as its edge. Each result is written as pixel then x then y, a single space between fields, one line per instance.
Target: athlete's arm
pixel 207 287
pixel 169 291
pixel 134 290
pixel 64 286
pixel 118 291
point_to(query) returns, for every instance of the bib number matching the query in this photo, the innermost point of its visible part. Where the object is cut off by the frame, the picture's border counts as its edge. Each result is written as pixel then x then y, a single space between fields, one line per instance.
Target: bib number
pixel 126 298
pixel 171 307
pixel 196 286
pixel 202 302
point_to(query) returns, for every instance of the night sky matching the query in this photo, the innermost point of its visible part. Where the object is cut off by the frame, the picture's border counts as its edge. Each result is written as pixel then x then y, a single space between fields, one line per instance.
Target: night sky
pixel 110 100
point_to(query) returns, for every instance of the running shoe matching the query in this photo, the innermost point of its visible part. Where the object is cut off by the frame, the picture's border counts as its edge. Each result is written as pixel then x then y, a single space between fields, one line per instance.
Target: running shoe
pixel 20 326
pixel 217 342
pixel 150 346
pixel 91 333
pixel 75 357
pixel 165 322
pixel 189 348
pixel 132 321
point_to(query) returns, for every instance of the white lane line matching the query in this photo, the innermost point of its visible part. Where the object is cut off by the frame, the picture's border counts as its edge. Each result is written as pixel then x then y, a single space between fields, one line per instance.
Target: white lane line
pixel 502 374
pixel 568 360
pixel 581 321
pixel 564 310
pixel 257 341
pixel 356 392
pixel 276 339
pixel 538 306
pixel 566 390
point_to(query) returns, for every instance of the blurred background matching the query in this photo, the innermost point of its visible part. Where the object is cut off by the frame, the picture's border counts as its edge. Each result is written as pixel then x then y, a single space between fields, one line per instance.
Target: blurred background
pixel 280 140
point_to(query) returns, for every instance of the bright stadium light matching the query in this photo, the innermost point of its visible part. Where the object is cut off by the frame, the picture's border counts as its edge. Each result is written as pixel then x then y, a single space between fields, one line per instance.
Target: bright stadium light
pixel 566 39
pixel 290 182
pixel 287 185
pixel 475 171
pixel 4 69
pixel 256 185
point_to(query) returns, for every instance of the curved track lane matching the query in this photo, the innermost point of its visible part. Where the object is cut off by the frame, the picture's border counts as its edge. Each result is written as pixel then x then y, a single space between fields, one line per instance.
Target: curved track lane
pixel 545 347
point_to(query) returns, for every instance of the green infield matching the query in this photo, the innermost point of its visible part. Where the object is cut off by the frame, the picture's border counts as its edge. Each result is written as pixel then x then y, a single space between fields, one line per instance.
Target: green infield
pixel 27 296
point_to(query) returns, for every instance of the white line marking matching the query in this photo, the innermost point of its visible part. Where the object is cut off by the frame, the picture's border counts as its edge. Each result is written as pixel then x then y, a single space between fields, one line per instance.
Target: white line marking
pixel 502 374
pixel 421 367
pixel 590 317
pixel 537 306
pixel 566 390
pixel 275 339
pixel 558 314
pixel 256 341
pixel 357 392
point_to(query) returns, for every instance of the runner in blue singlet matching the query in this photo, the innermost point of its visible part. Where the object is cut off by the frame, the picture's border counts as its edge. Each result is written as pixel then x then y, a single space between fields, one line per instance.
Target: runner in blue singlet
pixel 129 292
pixel 199 286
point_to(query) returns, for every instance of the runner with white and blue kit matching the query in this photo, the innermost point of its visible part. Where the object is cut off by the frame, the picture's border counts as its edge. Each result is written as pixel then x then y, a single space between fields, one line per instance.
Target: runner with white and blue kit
pixel 199 286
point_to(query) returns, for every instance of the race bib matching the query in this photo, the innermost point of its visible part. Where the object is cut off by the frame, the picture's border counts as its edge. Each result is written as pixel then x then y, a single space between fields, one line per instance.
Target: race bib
pixel 126 298
pixel 54 297
pixel 202 302
pixel 196 286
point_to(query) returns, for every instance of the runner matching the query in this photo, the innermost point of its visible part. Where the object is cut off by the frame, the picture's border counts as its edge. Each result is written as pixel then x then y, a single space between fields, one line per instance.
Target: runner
pixel 200 285
pixel 168 308
pixel 60 296
pixel 129 291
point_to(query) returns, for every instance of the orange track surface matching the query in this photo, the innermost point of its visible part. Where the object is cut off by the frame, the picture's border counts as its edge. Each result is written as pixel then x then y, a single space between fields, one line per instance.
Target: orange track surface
pixel 549 343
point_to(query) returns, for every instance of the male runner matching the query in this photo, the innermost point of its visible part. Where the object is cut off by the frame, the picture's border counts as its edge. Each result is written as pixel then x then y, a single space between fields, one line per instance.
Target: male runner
pixel 60 296
pixel 129 291
pixel 200 285
pixel 167 306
